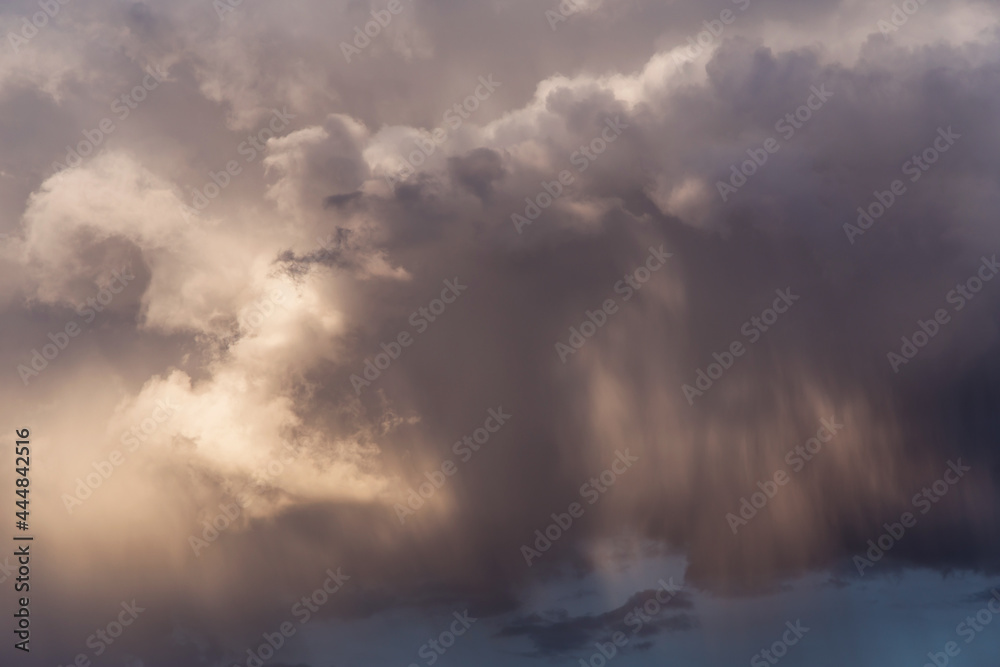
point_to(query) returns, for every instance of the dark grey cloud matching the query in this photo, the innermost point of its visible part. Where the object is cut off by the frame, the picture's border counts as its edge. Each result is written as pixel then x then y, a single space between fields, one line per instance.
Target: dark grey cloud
pixel 477 171
pixel 558 633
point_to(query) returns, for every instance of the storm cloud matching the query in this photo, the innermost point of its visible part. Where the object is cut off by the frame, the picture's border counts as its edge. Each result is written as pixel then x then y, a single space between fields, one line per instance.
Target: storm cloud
pixel 413 328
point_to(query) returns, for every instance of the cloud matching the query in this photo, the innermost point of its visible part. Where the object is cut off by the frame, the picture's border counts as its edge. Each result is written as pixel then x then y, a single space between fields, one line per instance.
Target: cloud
pixel 558 633
pixel 255 314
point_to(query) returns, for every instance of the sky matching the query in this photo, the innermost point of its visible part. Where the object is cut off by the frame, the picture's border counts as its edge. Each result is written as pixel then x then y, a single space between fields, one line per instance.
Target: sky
pixel 427 332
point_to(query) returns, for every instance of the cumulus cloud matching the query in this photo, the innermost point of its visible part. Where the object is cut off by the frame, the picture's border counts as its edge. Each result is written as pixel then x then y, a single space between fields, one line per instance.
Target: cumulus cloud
pixel 324 256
